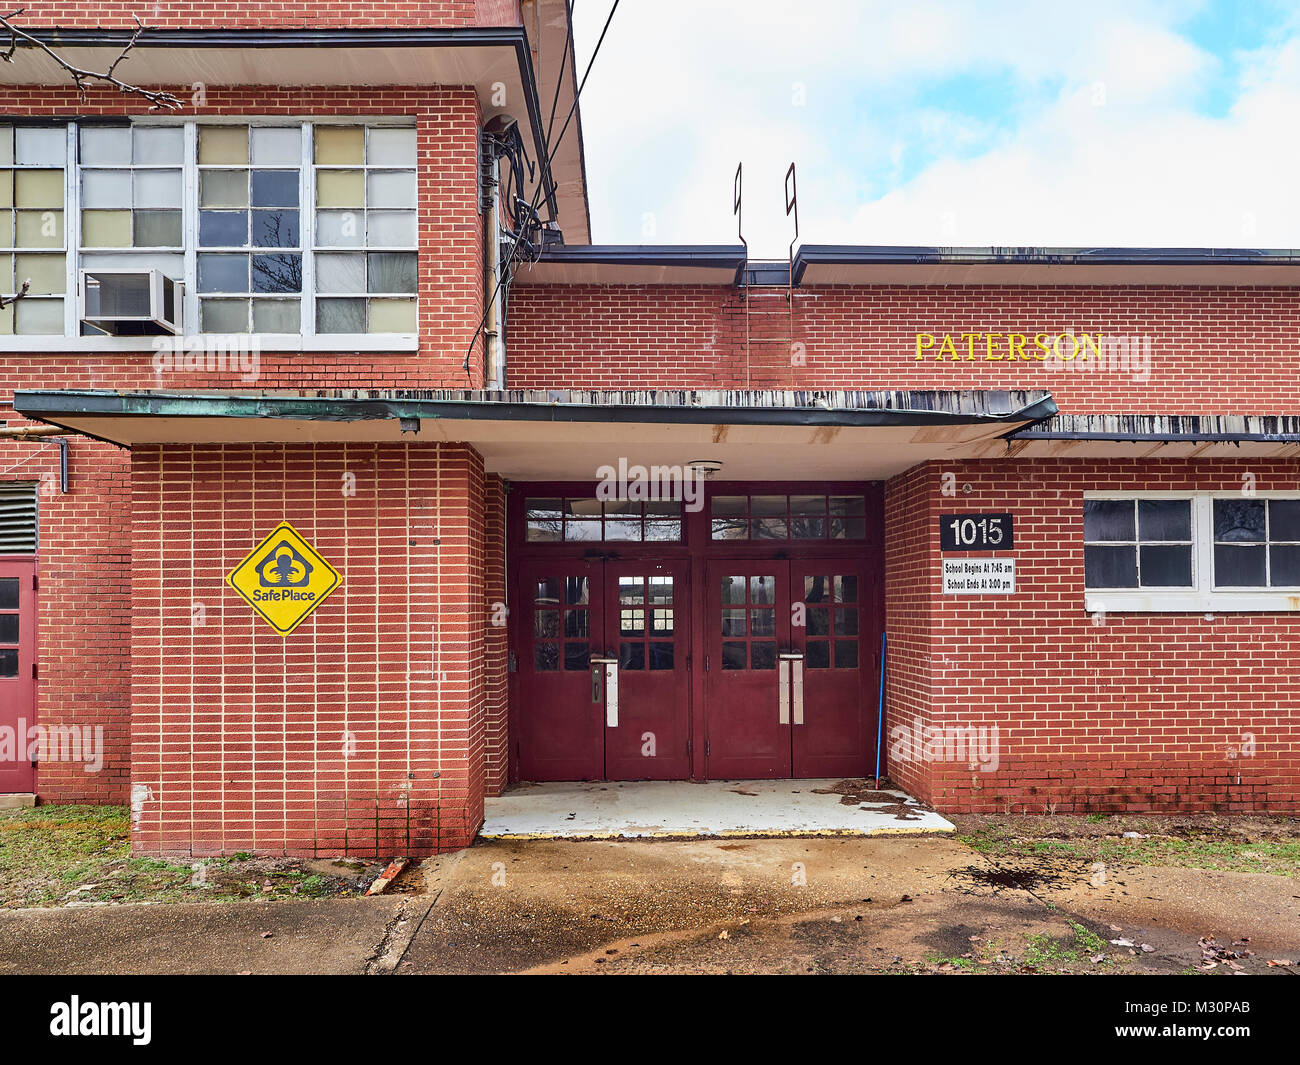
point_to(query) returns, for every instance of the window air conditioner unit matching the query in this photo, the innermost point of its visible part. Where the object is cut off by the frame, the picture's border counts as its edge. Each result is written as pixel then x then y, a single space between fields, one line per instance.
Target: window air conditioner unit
pixel 131 302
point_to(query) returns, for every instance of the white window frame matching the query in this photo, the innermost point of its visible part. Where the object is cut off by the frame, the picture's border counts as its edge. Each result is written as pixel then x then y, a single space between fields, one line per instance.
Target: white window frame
pixel 305 341
pixel 1202 597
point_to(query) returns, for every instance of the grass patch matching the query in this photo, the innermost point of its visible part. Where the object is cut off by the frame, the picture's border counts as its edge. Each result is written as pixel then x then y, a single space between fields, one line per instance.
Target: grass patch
pixel 56 855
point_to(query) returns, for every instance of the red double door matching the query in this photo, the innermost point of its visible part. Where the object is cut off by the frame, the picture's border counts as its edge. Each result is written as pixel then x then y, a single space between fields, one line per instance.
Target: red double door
pixel 791 668
pixel 17 672
pixel 603 670
pixel 603 663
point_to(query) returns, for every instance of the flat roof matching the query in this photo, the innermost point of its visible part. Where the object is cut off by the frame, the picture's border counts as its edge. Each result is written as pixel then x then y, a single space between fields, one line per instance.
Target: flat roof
pixel 843 264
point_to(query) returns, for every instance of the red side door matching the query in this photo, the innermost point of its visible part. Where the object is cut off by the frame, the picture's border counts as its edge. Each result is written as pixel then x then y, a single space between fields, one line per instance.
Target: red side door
pixel 834 715
pixel 747 626
pixel 17 666
pixel 647 688
pixel 560 626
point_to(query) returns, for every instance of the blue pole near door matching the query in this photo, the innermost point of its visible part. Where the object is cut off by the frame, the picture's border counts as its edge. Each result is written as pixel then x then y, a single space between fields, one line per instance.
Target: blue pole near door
pixel 880 708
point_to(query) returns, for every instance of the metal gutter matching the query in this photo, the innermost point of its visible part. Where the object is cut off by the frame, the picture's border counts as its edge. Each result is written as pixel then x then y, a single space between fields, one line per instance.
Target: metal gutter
pixel 707 256
pixel 1163 428
pixel 665 407
pixel 365 37
pixel 922 255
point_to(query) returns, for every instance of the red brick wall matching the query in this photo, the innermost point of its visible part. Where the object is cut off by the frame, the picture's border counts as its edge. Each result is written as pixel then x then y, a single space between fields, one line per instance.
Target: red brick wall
pixel 1139 712
pixel 84 595
pixel 1220 350
pixel 360 732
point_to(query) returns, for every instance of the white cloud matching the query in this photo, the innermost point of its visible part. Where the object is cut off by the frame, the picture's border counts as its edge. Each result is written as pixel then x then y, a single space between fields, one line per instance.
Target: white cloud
pixel 1098 138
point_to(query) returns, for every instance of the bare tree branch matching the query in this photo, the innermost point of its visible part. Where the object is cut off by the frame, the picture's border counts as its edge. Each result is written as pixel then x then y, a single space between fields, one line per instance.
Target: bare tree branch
pixel 5 301
pixel 158 99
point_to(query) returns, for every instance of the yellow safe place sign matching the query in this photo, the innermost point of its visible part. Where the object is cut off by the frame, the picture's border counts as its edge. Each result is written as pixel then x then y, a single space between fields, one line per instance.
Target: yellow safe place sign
pixel 284 579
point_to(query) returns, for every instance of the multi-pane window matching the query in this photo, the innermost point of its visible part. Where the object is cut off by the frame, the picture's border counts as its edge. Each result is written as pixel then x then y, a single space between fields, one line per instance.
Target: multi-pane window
pixel 365 229
pixel 789 517
pixel 748 622
pixel 561 623
pixel 1137 543
pixel 1194 551
pixel 273 227
pixel 33 160
pixel 831 621
pixel 1257 543
pixel 577 520
pixel 250 262
pixel 645 622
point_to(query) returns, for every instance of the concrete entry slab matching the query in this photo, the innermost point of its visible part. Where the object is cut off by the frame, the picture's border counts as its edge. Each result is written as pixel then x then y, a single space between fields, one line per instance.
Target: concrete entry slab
pixel 17 800
pixel 687 809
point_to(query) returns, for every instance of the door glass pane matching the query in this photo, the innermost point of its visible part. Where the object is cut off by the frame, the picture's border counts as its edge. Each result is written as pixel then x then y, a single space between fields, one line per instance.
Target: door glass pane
pixel 631 590
pixel 762 590
pixel 762 655
pixel 846 654
pixel 817 654
pixel 733 589
pixel 546 657
pixel 8 662
pixel 8 628
pixel 733 655
pixel 577 656
pixel 8 593
pixel 631 656
pixel 661 655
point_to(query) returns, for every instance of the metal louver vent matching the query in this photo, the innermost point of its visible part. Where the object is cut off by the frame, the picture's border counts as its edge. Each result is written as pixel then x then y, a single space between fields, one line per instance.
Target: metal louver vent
pixel 17 518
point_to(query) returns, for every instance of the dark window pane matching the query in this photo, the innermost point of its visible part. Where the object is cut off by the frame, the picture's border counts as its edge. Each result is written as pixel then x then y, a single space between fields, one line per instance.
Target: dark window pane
pixel 661 655
pixel 548 590
pixel 846 654
pixel 762 655
pixel 275 229
pixel 575 623
pixel 768 529
pixel 543 508
pixel 816 589
pixel 1166 567
pixel 808 528
pixel 223 229
pixel 1239 520
pixel 390 272
pixel 762 590
pixel 157 229
pixel 661 590
pixel 817 619
pixel 1108 519
pixel 846 589
pixel 223 273
pixel 817 654
pixel 848 528
pixel 1164 519
pixel 760 505
pixel 1238 567
pixel 762 622
pixel 631 590
pixel 575 590
pixel 727 506
pixel 733 622
pixel 340 316
pixel 275 188
pixel 1284 519
pixel 546 623
pixel 9 593
pixel 733 655
pixel 277 273
pixel 9 662
pixel 631 656
pixel 8 628
pixel 543 531
pixel 730 529
pixel 733 589
pixel 576 656
pixel 546 656
pixel 1284 565
pixel 1110 567
pixel 846 621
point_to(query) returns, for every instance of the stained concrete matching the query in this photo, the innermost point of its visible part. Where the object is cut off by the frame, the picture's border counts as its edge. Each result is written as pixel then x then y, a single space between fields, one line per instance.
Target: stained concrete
pixel 686 809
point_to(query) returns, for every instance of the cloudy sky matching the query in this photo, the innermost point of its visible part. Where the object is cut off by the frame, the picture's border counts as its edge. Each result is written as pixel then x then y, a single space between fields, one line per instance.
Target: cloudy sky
pixel 1135 122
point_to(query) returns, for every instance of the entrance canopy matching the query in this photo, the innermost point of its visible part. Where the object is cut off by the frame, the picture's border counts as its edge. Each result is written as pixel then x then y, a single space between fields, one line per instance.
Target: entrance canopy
pixel 564 435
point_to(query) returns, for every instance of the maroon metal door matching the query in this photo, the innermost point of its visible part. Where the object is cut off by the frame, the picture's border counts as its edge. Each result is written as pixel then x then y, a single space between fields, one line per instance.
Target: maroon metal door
pixel 747 625
pixel 834 715
pixel 561 712
pixel 17 665
pixel 647 710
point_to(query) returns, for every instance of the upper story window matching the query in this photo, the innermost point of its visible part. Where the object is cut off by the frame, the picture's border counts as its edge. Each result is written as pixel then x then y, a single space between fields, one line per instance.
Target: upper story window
pixel 1191 551
pixel 274 227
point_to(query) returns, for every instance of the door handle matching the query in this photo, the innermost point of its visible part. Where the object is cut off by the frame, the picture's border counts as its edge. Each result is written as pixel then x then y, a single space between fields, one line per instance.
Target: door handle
pixel 791 667
pixel 609 667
